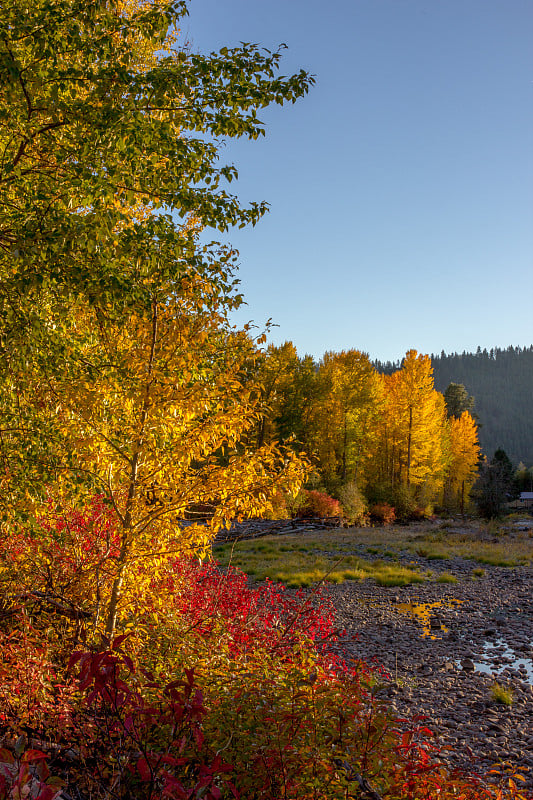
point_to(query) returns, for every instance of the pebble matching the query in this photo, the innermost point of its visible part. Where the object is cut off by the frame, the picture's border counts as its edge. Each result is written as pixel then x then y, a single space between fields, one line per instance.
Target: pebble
pixel 442 671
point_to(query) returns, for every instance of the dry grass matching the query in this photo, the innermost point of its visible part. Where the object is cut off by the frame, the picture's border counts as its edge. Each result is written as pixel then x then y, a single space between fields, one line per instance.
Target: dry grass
pixel 502 545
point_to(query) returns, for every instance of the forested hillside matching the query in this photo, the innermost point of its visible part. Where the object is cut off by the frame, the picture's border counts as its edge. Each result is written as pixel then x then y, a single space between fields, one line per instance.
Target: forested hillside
pixel 501 382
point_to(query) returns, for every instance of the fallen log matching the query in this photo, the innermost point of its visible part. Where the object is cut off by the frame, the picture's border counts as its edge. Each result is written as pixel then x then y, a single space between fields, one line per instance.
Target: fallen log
pixel 255 528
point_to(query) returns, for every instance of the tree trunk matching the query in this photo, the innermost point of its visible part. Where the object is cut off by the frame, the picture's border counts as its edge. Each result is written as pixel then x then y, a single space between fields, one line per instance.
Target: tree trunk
pixel 344 446
pixel 127 525
pixel 409 447
pixel 117 588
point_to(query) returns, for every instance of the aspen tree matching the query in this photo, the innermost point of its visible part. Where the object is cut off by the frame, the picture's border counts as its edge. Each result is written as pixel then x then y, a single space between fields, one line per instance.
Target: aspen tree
pixel 464 456
pixel 344 416
pixel 411 450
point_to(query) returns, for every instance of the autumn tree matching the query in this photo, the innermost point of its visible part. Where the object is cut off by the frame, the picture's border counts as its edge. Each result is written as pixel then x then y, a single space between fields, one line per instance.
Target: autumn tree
pixel 411 450
pixel 383 471
pixel 286 382
pixel 343 417
pixel 97 117
pixel 116 350
pixel 157 413
pixel 464 459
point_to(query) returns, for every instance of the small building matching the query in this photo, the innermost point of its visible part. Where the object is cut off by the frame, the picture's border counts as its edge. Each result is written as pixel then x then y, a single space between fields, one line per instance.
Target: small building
pixel 526 499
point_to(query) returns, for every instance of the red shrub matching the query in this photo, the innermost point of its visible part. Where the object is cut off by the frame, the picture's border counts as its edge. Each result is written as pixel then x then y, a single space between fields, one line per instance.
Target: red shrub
pixel 319 504
pixel 267 617
pixel 33 693
pixel 383 513
pixel 226 691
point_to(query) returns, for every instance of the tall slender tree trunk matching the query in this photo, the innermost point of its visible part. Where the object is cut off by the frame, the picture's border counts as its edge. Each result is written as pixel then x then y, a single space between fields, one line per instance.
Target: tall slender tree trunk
pixel 344 446
pixel 116 590
pixel 127 524
pixel 261 433
pixel 409 447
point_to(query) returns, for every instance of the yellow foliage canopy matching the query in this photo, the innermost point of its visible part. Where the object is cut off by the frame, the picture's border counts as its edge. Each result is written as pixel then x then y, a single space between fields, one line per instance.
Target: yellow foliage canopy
pixel 157 409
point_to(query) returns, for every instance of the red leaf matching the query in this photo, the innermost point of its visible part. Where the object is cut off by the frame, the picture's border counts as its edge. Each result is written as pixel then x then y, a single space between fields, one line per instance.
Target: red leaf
pixel 129 663
pixel 6 756
pixel 144 769
pixel 173 761
pixel 74 658
pixel 233 790
pixel 118 641
pixel 34 755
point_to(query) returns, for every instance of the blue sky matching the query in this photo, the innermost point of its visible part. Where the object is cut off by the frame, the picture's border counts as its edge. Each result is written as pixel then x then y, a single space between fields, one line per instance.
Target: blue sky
pixel 401 187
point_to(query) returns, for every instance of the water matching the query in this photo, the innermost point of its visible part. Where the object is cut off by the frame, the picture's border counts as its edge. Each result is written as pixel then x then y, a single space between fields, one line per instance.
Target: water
pixel 488 660
pixel 426 614
pixel 513 662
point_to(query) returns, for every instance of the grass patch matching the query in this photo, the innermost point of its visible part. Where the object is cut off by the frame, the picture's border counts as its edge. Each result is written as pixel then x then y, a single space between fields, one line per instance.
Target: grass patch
pixel 471 542
pixel 478 572
pixel 306 557
pixel 286 559
pixel 401 576
pixel 446 577
pixel 431 555
pixel 501 695
pixel 495 561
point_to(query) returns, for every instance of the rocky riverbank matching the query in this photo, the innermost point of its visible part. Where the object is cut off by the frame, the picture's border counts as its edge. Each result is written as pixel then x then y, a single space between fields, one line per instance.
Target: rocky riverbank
pixel 443 646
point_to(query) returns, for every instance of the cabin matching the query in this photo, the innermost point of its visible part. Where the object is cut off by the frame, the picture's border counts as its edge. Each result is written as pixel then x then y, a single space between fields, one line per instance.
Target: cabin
pixel 526 499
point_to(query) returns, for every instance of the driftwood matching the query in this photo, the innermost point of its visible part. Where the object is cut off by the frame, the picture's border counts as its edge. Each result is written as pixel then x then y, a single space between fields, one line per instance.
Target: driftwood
pixel 254 528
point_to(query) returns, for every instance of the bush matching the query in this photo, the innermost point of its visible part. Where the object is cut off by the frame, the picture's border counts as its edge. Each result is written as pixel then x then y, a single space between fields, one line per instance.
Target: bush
pixel 407 506
pixel 354 505
pixel 404 503
pixel 286 506
pixel 420 513
pixel 319 504
pixel 256 715
pixel 383 513
pixel 220 691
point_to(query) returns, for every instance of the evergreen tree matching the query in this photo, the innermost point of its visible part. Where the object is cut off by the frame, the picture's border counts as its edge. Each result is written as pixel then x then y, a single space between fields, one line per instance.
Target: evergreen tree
pixel 457 400
pixel 523 478
pixel 501 461
pixel 494 487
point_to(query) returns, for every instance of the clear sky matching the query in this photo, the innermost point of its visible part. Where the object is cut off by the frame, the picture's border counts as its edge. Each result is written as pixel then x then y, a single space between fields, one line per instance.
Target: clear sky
pixel 401 187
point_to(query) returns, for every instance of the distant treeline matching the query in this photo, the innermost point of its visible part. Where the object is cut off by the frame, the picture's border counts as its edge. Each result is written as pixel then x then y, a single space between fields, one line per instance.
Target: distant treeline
pixel 501 382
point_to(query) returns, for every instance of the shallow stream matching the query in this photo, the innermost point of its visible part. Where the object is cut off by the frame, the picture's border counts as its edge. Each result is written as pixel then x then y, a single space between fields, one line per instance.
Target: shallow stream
pixel 496 658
